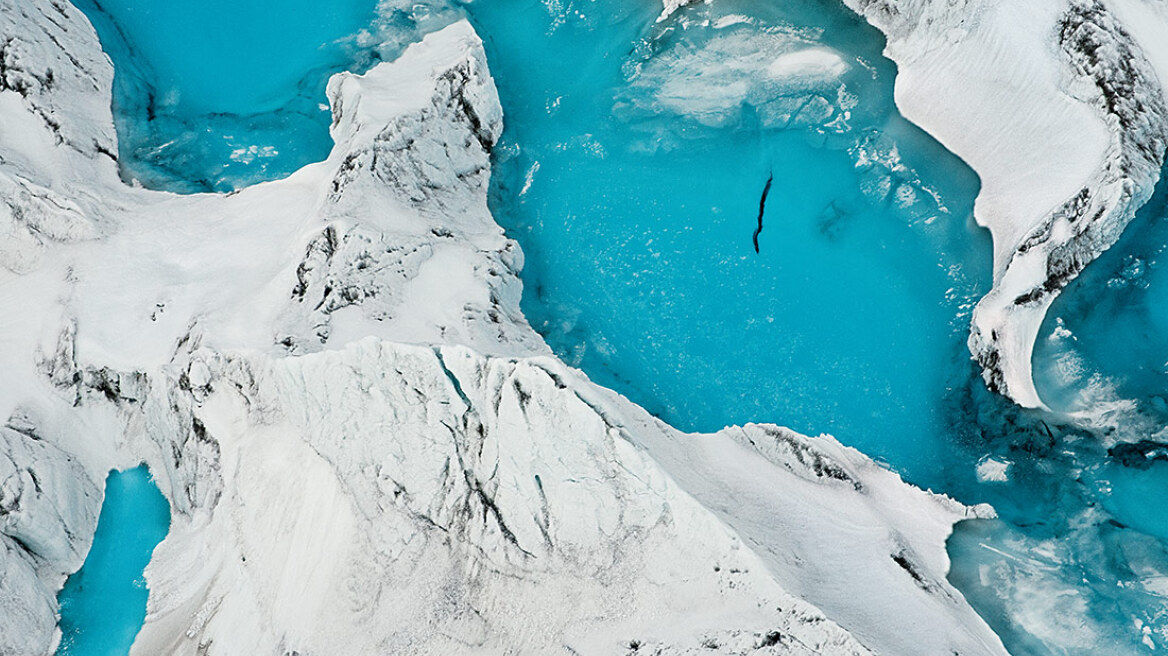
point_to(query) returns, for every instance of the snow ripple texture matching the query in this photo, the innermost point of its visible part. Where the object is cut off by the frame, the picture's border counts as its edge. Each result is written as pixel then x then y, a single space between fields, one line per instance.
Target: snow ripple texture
pixel 365 447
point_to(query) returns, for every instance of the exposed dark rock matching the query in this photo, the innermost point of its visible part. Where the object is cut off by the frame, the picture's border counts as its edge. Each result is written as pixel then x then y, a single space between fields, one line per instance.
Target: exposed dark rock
pixel 762 208
pixel 1139 455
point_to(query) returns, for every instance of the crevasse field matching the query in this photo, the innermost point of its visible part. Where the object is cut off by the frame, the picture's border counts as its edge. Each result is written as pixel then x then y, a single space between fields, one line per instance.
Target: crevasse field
pixel 634 159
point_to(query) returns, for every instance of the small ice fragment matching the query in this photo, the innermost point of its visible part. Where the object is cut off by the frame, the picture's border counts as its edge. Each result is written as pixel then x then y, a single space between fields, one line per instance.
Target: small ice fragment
pixel 992 470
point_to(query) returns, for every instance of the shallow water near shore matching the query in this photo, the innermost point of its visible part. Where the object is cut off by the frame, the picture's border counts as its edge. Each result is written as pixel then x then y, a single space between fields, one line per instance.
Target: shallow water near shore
pixel 632 170
pixel 103 604
pixel 1102 359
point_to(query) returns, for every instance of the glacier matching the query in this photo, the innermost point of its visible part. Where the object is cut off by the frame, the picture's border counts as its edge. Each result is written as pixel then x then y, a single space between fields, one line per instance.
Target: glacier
pixel 364 445
pixel 367 448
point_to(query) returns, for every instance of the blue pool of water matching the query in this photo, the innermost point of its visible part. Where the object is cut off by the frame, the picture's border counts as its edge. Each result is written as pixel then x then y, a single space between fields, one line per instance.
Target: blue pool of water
pixel 103 604
pixel 1085 563
pixel 631 170
pixel 247 62
pixel 635 199
pixel 218 94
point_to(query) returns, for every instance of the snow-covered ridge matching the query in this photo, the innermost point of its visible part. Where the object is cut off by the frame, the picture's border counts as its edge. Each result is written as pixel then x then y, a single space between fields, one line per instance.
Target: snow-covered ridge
pixel 1058 106
pixel 365 447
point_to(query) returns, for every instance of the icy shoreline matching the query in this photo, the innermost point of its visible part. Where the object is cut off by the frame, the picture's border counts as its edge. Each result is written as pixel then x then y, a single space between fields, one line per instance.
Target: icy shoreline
pixel 1059 108
pixel 365 446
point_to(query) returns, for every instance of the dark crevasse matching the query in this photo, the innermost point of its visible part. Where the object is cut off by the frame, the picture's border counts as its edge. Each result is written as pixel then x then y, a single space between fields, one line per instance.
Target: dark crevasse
pixel 103 604
pixel 630 171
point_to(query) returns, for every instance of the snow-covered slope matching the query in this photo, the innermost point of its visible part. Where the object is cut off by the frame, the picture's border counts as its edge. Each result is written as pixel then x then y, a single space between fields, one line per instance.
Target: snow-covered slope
pixel 1058 106
pixel 365 447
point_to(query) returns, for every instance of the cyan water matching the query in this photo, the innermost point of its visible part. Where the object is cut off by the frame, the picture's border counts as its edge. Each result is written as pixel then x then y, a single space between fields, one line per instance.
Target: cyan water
pixel 218 94
pixel 631 171
pixel 1101 364
pixel 103 604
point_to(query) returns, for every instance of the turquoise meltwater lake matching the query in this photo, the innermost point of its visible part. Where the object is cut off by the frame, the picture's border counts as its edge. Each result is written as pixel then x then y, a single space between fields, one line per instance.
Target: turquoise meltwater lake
pixel 103 605
pixel 631 172
pixel 213 95
pixel 218 94
pixel 632 169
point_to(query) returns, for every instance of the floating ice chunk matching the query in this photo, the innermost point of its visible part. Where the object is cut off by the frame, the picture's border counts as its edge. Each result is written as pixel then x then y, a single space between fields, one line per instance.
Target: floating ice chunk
pixel 809 63
pixel 1061 331
pixel 529 178
pixel 250 154
pixel 993 470
pixel 732 19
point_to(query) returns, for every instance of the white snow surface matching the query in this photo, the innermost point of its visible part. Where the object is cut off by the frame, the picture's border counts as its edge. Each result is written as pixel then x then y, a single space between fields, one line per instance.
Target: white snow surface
pixel 1058 106
pixel 365 447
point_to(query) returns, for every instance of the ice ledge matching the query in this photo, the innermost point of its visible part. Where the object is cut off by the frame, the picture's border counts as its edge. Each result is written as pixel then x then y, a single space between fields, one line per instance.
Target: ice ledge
pixel 441 507
pixel 363 105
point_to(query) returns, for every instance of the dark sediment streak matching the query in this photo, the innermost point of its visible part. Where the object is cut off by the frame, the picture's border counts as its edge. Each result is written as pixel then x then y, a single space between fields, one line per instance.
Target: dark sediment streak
pixel 762 208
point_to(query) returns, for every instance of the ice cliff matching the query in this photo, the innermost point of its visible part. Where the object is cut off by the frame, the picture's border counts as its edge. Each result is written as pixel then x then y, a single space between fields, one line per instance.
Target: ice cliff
pixel 1059 108
pixel 365 447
